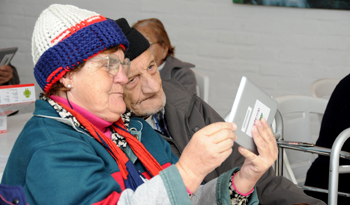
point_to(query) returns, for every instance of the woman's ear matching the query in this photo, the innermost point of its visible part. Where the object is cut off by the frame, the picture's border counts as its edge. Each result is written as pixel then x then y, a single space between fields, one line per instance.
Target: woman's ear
pixel 67 79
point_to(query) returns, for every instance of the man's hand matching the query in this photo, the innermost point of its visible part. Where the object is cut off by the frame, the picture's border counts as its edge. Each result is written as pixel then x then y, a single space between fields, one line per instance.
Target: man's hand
pixel 207 149
pixel 5 74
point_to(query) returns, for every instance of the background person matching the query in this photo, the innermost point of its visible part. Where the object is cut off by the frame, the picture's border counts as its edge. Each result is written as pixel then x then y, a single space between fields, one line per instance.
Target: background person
pixel 77 149
pixel 178 114
pixel 8 75
pixel 334 121
pixel 169 66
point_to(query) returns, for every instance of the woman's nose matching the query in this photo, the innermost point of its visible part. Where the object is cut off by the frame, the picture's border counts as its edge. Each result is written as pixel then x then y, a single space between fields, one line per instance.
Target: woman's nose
pixel 121 77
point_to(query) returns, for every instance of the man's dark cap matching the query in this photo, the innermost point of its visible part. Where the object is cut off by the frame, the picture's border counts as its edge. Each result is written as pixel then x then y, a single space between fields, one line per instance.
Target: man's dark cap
pixel 137 42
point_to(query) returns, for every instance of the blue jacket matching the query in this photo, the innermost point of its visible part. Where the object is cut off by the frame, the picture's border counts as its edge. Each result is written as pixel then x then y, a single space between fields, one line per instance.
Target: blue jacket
pixel 58 163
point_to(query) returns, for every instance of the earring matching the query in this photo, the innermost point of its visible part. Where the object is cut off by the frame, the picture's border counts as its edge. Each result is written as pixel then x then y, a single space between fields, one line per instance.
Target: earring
pixel 69 86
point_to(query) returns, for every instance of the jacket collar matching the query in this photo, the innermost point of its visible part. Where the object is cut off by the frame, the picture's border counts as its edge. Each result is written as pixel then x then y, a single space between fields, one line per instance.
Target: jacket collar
pixel 170 64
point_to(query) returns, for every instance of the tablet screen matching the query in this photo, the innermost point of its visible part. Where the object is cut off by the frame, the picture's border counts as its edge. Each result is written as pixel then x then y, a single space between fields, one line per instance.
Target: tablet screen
pixel 6 55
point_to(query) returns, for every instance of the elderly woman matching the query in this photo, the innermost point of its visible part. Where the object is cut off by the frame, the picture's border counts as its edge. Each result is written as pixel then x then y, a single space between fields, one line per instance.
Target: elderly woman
pixel 77 149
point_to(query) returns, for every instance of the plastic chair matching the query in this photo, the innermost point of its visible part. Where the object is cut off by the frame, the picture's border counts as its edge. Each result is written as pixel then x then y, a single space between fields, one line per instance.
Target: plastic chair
pixel 202 85
pixel 323 88
pixel 300 124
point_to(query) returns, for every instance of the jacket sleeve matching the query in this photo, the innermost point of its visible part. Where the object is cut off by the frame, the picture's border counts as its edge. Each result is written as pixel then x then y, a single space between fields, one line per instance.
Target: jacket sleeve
pixel 72 173
pixel 186 77
pixel 166 188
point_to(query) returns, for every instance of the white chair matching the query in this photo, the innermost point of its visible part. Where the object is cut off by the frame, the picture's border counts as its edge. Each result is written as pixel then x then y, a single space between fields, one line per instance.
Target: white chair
pixel 202 85
pixel 300 123
pixel 323 88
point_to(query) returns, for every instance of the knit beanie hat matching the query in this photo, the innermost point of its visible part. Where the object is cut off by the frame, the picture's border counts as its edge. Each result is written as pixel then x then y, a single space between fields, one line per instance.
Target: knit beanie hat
pixel 65 36
pixel 137 42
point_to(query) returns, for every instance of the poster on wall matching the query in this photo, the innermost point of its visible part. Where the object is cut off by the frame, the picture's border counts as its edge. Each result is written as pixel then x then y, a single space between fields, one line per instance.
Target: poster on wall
pixel 320 4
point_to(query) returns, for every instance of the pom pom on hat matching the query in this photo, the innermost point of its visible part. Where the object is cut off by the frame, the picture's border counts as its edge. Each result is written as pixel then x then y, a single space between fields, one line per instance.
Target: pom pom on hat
pixel 65 36
pixel 137 42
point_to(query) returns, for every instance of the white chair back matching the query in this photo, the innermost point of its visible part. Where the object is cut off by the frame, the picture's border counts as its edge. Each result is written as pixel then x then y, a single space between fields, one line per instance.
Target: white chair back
pixel 202 85
pixel 300 123
pixel 323 88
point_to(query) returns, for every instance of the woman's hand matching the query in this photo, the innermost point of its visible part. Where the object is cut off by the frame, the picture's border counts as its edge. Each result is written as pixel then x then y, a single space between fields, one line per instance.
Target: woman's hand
pixel 207 149
pixel 255 166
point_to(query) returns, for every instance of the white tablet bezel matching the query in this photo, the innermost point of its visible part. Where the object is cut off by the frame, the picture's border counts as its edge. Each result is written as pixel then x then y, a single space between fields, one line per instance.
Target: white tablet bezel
pixel 248 98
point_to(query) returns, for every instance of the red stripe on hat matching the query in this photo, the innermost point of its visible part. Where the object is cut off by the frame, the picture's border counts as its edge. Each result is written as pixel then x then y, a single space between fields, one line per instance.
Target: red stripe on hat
pixel 78 26
pixel 53 74
pixel 53 78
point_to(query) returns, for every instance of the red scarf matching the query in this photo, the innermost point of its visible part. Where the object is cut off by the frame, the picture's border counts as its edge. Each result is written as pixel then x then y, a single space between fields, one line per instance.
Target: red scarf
pixel 137 147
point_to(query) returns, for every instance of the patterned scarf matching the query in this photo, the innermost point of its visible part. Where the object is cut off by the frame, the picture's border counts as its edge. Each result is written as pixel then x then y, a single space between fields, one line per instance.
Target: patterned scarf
pixel 128 171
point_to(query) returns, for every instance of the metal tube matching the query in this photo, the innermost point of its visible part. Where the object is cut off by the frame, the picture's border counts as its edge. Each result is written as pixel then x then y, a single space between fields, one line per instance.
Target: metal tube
pixel 279 131
pixel 334 166
pixel 344 169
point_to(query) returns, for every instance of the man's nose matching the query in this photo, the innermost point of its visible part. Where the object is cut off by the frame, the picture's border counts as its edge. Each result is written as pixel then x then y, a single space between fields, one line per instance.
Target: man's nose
pixel 150 85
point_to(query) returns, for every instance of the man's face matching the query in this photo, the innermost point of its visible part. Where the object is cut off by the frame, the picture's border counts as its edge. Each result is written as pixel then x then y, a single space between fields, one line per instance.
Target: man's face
pixel 143 94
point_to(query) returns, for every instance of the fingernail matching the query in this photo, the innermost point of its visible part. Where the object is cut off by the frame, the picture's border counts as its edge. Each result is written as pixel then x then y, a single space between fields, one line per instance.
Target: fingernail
pixel 241 149
pixel 254 128
pixel 258 123
pixel 234 125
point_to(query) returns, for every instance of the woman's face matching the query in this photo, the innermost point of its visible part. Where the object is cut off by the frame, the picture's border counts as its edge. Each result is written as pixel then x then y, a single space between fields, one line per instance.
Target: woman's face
pixel 98 91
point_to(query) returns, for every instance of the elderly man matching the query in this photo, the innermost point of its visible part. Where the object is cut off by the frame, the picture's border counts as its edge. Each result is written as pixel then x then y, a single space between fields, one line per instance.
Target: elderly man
pixel 177 114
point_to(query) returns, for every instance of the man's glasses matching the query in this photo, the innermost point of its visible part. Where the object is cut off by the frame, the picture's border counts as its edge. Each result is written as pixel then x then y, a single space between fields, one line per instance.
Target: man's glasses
pixel 112 62
pixel 151 43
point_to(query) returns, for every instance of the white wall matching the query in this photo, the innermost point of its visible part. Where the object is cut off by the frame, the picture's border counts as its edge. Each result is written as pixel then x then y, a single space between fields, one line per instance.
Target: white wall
pixel 282 49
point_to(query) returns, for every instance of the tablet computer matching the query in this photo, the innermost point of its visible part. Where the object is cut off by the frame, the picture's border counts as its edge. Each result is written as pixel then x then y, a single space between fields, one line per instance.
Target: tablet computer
pixel 6 55
pixel 251 103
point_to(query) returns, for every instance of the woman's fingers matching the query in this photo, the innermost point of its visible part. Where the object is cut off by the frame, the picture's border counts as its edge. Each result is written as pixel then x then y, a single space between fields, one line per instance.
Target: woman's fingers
pixel 222 135
pixel 224 145
pixel 217 127
pixel 264 140
pixel 248 154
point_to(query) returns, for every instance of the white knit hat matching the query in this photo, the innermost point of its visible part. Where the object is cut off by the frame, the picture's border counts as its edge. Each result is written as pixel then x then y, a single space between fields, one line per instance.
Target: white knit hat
pixel 65 36
pixel 53 25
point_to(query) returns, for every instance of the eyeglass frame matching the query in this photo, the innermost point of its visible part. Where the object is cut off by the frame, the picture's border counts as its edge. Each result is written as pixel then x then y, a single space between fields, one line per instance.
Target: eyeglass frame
pixel 153 43
pixel 119 61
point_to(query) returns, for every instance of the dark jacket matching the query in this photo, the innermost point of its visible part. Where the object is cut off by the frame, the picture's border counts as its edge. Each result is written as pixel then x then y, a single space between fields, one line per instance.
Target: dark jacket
pixel 335 120
pixel 180 71
pixel 186 113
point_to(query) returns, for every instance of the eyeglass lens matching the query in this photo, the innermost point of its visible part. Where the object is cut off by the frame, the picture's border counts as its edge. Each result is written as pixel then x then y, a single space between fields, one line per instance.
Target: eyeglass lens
pixel 114 64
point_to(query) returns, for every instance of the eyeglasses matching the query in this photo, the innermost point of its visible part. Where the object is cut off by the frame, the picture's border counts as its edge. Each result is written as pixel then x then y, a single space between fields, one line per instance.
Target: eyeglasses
pixel 151 43
pixel 112 62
